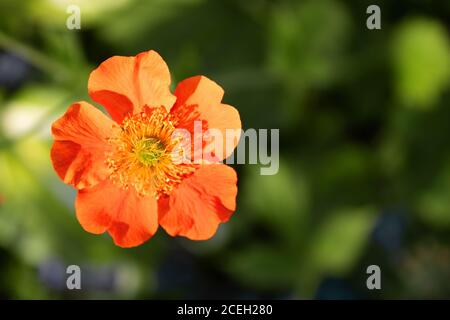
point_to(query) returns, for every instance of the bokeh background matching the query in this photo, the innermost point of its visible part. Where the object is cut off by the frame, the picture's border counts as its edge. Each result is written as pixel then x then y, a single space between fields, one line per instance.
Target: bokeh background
pixel 364 123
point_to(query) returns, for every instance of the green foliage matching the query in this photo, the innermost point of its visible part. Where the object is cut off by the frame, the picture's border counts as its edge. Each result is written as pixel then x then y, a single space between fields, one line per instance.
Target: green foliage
pixel 434 204
pixel 339 241
pixel 421 58
pixel 304 51
pixel 279 201
pixel 354 144
pixel 263 267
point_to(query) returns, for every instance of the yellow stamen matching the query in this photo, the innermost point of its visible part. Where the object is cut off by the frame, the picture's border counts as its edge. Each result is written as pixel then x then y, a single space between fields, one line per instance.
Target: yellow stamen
pixel 142 154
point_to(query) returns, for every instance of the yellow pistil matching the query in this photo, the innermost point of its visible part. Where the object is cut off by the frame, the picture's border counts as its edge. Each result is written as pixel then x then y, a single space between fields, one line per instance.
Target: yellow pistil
pixel 142 154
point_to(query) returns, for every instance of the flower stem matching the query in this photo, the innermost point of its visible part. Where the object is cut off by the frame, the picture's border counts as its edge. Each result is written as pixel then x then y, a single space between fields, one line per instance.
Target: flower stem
pixel 33 56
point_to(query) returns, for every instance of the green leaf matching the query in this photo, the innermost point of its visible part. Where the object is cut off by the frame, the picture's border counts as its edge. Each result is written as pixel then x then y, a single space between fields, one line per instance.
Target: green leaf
pixel 29 111
pixel 54 13
pixel 434 204
pixel 301 49
pixel 340 239
pixel 280 201
pixel 262 266
pixel 421 61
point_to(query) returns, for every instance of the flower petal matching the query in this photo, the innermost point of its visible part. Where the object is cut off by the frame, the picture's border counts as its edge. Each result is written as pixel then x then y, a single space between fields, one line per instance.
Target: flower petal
pixel 200 203
pixel 129 218
pixel 81 142
pixel 125 85
pixel 199 98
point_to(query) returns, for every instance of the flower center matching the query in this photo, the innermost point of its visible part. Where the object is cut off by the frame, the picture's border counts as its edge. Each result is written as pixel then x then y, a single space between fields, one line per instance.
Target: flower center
pixel 141 155
pixel 149 151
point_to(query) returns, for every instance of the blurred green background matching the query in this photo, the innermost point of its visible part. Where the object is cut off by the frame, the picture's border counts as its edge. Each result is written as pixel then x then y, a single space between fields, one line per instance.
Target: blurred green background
pixel 364 123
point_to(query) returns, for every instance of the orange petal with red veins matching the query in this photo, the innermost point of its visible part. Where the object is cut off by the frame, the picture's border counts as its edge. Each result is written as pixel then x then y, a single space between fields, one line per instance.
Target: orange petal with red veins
pixel 129 218
pixel 200 203
pixel 199 98
pixel 81 143
pixel 124 85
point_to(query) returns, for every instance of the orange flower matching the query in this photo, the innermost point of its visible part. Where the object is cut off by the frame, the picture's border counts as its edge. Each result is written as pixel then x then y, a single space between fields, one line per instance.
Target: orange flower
pixel 126 180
